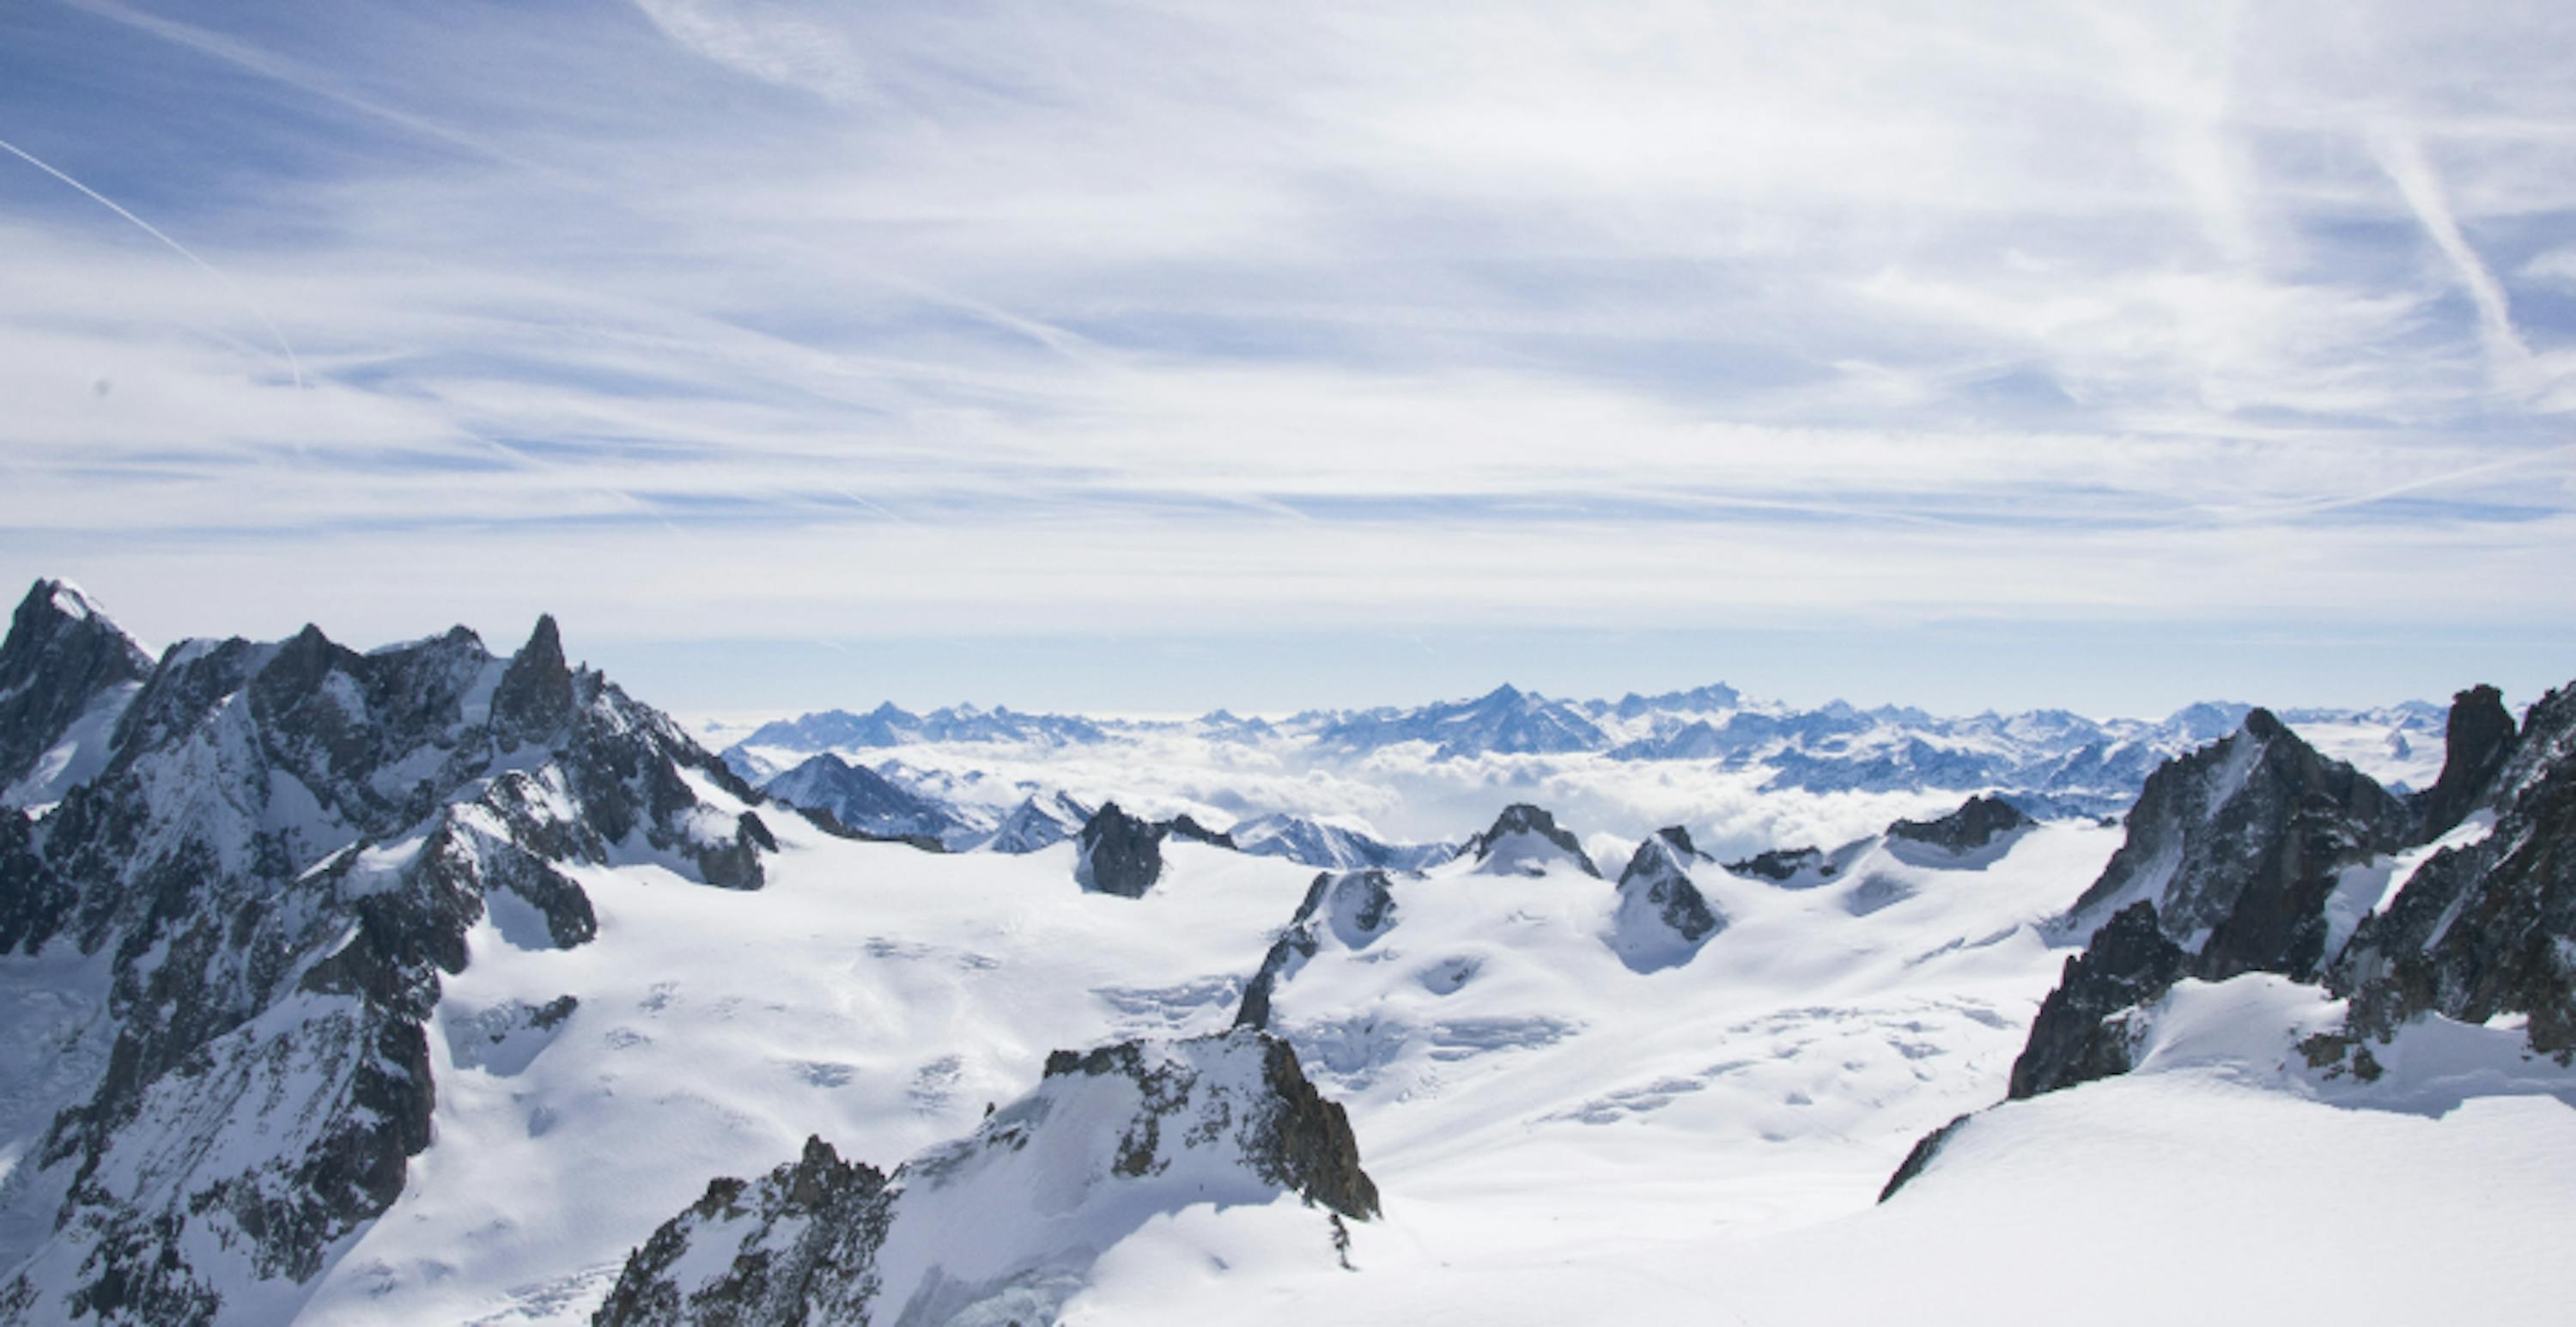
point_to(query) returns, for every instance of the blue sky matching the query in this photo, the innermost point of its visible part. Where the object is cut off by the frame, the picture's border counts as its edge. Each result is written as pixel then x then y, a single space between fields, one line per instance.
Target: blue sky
pixel 1160 356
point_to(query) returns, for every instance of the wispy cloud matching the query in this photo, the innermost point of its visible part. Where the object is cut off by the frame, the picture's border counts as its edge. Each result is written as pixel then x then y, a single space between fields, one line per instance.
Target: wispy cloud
pixel 697 314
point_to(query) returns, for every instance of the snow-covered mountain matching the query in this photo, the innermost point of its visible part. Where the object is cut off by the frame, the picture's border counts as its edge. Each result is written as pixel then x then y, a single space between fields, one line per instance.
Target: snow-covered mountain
pixel 230 939
pixel 866 802
pixel 1414 779
pixel 2247 918
pixel 432 986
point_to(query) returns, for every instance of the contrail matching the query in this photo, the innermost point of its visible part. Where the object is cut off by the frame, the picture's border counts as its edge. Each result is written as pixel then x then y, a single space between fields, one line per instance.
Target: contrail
pixel 293 365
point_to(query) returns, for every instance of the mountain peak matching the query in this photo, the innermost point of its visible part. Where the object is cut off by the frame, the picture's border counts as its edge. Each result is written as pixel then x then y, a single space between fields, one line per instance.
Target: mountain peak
pixel 1524 840
pixel 536 693
pixel 52 607
pixel 62 661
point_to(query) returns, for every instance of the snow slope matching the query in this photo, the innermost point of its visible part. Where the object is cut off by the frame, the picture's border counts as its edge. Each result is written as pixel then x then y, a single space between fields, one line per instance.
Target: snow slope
pixel 2220 1182
pixel 872 993
pixel 1503 1067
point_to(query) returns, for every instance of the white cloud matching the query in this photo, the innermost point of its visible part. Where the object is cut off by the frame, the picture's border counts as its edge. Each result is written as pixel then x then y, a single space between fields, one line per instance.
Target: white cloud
pixel 937 314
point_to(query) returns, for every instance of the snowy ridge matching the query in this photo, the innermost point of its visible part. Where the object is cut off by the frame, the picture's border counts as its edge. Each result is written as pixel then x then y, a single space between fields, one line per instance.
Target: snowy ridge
pixel 1005 1224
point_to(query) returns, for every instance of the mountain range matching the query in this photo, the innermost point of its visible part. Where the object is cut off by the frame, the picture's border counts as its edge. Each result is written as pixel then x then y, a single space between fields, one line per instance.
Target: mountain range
pixel 432 984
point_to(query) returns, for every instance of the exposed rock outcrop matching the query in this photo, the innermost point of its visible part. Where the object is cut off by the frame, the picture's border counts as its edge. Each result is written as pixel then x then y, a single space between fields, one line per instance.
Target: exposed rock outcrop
pixel 1780 865
pixel 2488 928
pixel 1662 918
pixel 1925 1149
pixel 2080 1033
pixel 1354 907
pixel 791 1237
pixel 1183 827
pixel 1112 1137
pixel 1525 840
pixel 1120 854
pixel 1978 824
pixel 2476 743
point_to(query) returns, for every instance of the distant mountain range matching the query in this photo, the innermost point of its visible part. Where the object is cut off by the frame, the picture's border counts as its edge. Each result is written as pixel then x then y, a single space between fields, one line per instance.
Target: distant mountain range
pixel 2047 762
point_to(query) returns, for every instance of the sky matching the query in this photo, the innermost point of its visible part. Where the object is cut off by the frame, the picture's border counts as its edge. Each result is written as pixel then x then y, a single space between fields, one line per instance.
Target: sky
pixel 1154 356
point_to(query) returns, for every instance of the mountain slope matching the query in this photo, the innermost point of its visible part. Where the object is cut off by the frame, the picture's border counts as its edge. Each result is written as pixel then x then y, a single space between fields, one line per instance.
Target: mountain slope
pixel 259 897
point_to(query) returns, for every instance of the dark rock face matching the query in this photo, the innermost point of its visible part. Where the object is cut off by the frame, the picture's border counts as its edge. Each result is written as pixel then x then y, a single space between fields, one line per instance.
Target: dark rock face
pixel 536 696
pixel 1925 1149
pixel 2079 1035
pixel 2238 846
pixel 61 658
pixel 817 1239
pixel 1521 820
pixel 1978 823
pixel 2475 746
pixel 1120 854
pixel 1781 864
pixel 794 1231
pixel 301 827
pixel 2489 928
pixel 1183 827
pixel 1662 917
pixel 1356 907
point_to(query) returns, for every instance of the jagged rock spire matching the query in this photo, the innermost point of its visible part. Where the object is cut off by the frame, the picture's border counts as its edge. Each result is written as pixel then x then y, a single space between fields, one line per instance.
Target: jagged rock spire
pixel 2475 746
pixel 535 696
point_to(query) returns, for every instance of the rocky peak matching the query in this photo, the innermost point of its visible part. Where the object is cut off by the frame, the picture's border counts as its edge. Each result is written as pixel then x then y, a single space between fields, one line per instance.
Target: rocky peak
pixel 536 694
pixel 1119 1134
pixel 1662 918
pixel 2239 845
pixel 2487 927
pixel 1119 854
pixel 1781 865
pixel 1525 840
pixel 1666 852
pixel 1977 824
pixel 63 660
pixel 2476 744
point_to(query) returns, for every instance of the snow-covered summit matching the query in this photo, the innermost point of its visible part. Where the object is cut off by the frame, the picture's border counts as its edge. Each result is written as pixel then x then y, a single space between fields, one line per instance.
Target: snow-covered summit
pixel 1525 840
